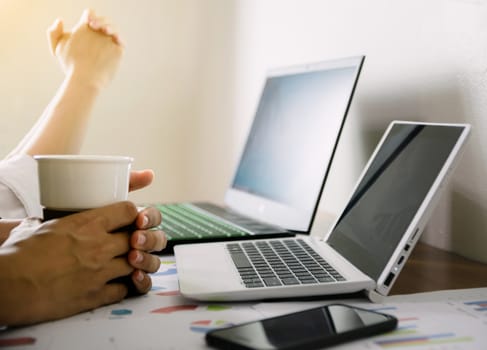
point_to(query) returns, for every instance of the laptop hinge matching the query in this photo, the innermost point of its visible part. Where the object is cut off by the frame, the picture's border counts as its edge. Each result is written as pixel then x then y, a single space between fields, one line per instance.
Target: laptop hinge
pixel 375 297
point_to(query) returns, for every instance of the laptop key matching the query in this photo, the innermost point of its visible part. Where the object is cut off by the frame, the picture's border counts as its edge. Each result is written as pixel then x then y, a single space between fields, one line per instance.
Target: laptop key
pixel 272 282
pixel 289 281
pixel 254 284
pixel 308 281
pixel 279 263
pixel 252 280
pixel 240 260
pixel 325 279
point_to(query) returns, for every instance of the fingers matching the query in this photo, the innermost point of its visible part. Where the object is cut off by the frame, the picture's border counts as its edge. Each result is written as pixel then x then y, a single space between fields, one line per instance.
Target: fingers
pixel 148 241
pixel 117 244
pixel 54 34
pixel 86 16
pixel 98 24
pixel 140 179
pixel 101 25
pixel 110 293
pixel 142 281
pixel 110 217
pixel 115 268
pixel 147 218
pixel 144 261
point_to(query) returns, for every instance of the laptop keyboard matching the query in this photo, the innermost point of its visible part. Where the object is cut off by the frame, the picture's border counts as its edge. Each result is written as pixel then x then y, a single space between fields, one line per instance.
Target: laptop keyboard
pixel 180 222
pixel 280 262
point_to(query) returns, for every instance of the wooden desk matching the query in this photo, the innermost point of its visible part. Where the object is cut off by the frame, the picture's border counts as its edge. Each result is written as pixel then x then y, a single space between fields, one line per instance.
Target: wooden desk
pixel 429 269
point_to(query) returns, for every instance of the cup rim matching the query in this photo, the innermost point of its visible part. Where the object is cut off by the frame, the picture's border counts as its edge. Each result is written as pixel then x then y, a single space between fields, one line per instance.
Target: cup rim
pixel 83 158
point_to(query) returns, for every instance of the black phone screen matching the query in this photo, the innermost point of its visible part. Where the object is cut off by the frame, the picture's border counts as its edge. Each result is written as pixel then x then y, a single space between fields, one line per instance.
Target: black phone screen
pixel 308 329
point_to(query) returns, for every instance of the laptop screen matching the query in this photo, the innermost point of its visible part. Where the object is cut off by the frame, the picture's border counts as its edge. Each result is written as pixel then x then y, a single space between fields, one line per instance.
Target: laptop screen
pixel 293 138
pixel 391 193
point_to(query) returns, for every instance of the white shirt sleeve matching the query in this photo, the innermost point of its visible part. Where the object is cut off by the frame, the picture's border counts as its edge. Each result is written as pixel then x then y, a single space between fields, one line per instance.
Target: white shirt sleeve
pixel 24 230
pixel 19 188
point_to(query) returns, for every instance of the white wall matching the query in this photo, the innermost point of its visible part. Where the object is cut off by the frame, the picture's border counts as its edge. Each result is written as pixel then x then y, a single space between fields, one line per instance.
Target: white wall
pixel 426 60
pixel 188 85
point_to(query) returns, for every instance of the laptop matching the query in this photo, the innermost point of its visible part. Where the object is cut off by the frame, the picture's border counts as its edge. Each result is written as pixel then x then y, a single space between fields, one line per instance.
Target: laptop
pixel 282 170
pixel 366 247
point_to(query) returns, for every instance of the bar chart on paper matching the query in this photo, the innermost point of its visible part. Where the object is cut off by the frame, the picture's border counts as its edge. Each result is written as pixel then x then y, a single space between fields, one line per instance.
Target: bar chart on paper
pixel 449 325
pixel 204 326
pixel 477 306
pixel 409 335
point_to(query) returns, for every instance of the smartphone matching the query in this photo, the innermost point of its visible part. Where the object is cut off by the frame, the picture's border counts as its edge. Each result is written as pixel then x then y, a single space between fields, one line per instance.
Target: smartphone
pixel 309 329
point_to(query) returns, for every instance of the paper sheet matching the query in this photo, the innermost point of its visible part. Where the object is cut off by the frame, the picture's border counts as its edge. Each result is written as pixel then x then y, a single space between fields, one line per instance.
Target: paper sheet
pixel 162 319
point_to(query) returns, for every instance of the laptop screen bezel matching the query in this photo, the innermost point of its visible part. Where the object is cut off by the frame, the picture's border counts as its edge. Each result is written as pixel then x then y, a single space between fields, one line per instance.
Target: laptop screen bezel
pixel 413 232
pixel 273 212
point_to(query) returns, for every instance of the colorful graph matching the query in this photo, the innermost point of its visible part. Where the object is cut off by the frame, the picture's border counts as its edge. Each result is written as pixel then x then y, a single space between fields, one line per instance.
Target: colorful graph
pixel 205 326
pixel 383 308
pixel 422 340
pixel 175 308
pixel 189 307
pixel 407 335
pixel 478 305
pixel 169 294
pixel 121 312
pixel 168 262
pixel 409 331
pixel 168 272
pixel 156 288
pixel 167 268
pixel 7 342
pixel 216 307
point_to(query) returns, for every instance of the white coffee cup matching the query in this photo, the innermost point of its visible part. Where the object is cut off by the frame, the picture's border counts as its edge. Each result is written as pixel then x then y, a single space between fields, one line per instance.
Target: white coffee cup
pixel 79 182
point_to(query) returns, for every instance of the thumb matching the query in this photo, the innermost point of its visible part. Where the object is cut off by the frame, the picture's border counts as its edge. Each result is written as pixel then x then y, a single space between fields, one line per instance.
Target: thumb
pixel 54 34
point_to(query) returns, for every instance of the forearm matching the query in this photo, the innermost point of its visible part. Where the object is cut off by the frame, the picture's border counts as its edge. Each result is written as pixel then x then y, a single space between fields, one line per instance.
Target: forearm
pixel 62 126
